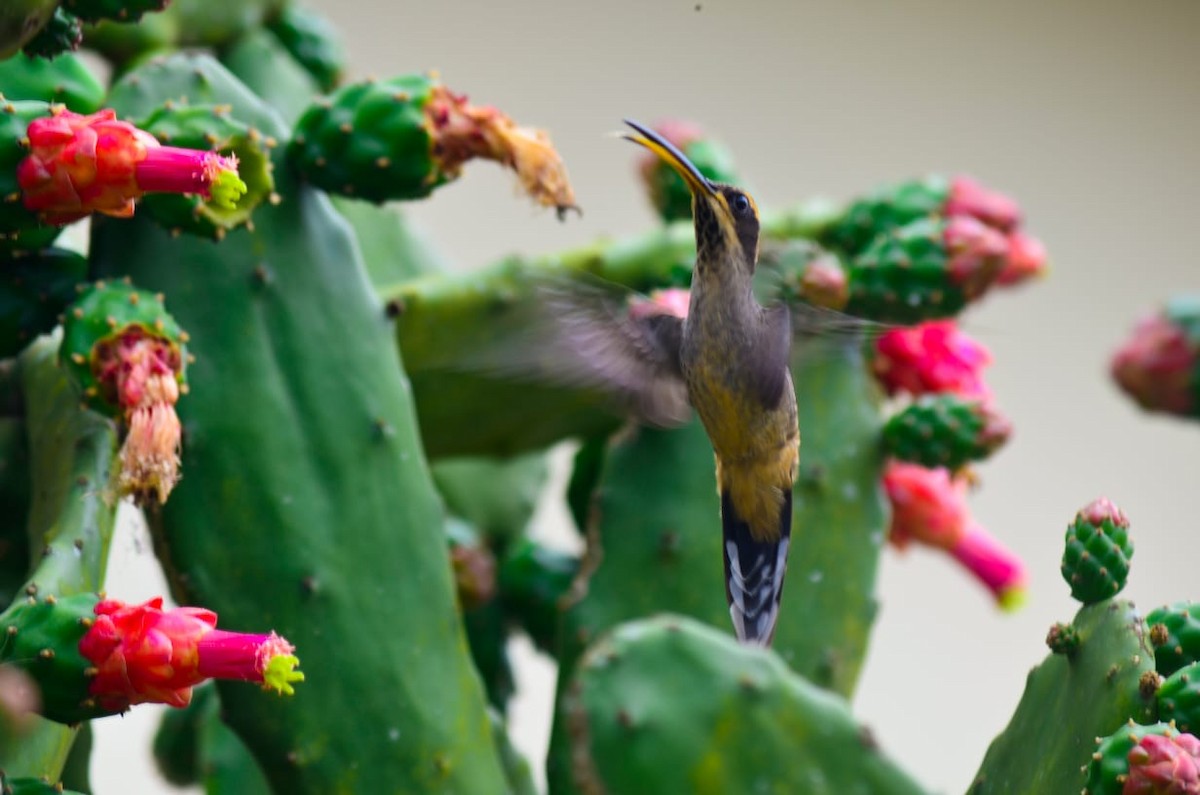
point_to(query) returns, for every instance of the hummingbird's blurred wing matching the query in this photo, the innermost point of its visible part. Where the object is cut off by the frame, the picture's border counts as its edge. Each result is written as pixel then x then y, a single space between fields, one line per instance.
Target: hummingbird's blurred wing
pixel 589 334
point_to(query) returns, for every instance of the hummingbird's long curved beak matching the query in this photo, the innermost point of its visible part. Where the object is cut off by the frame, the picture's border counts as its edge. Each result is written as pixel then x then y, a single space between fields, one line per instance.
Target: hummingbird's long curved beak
pixel 697 182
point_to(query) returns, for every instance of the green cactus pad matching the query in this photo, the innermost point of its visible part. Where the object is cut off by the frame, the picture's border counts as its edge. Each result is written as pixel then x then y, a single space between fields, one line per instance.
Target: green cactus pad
pixel 193 746
pixel 115 10
pixel 1175 634
pixel 20 230
pixel 1069 701
pixel 105 311
pixel 1109 764
pixel 904 277
pixel 32 786
pixel 944 431
pixel 533 581
pixel 370 140
pixel 362 586
pixel 64 81
pixel 61 34
pixel 42 637
pixel 496 496
pixel 260 61
pixel 883 210
pixel 311 39
pixel 1096 558
pixel 210 127
pixel 14 506
pixel 1179 699
pixel 667 704
pixel 517 773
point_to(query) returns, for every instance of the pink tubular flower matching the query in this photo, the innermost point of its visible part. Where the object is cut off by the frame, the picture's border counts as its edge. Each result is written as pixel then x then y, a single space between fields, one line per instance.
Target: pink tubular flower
pixel 143 653
pixel 1160 765
pixel 78 165
pixel 968 197
pixel 931 357
pixel 929 507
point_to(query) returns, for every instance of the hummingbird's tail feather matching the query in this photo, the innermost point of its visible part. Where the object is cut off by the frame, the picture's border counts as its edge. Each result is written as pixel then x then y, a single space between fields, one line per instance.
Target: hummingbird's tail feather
pixel 754 572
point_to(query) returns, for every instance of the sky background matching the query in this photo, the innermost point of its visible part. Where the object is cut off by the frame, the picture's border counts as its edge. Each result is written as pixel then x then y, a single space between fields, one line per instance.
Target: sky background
pixel 1087 113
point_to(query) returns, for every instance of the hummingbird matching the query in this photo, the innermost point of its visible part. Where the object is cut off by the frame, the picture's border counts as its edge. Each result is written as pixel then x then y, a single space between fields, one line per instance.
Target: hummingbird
pixel 726 358
pixel 731 354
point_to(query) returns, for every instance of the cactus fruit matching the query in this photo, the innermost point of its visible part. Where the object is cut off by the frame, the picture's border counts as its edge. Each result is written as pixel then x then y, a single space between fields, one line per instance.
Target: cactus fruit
pixel 1063 639
pixel 1179 698
pixel 1164 765
pixel 20 228
pixel 78 165
pixel 116 10
pixel 35 289
pixel 926 270
pixel 214 128
pixel 534 580
pixel 127 357
pixel 668 193
pixel 1175 634
pixel 1098 549
pixel 64 81
pixel 893 206
pixel 1158 365
pixel 931 357
pixel 1070 700
pixel 1108 769
pixel 945 431
pixel 311 40
pixel 404 137
pixel 62 33
pixel 667 704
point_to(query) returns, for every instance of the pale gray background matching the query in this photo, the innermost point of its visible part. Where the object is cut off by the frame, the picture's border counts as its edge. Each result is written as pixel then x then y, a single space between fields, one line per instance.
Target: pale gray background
pixel 1087 112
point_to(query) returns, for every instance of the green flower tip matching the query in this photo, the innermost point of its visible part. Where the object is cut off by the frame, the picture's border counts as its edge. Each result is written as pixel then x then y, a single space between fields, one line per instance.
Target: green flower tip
pixel 280 672
pixel 226 187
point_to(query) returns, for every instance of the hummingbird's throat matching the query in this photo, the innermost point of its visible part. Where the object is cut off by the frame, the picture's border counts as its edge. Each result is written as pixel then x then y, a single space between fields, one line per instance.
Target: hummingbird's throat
pixel 718 245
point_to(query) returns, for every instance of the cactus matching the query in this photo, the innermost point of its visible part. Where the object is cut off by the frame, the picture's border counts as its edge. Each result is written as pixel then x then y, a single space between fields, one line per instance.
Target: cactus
pixel 325 586
pixel 1175 633
pixel 20 229
pixel 63 81
pixel 945 431
pixel 1109 767
pixel 31 786
pixel 1069 700
pixel 310 39
pixel 116 10
pixel 34 291
pixel 669 705
pixel 20 21
pixel 1096 560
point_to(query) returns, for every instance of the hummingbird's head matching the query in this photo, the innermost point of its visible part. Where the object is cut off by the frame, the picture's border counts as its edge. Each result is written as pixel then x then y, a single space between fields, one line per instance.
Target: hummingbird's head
pixel 726 217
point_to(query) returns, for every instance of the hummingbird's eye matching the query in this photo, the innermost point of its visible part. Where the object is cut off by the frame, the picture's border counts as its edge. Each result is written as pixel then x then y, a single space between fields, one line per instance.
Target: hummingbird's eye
pixel 741 205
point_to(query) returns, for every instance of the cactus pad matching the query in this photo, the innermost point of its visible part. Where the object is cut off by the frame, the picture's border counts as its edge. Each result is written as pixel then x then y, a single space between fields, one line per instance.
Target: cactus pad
pixel 311 39
pixel 20 229
pixel 64 81
pixel 667 704
pixel 945 431
pixel 1096 559
pixel 1070 700
pixel 34 291
pixel 115 10
pixel 62 33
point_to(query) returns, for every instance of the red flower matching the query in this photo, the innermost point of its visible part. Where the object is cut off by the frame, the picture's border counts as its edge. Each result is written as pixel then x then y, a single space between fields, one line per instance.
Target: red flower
pixel 929 507
pixel 79 165
pixel 143 653
pixel 1026 259
pixel 976 254
pixel 931 357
